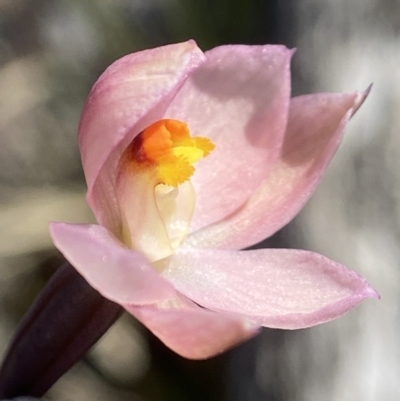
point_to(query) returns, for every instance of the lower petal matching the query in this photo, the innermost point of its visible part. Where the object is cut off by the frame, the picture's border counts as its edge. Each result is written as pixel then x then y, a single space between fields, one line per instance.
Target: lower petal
pixel 191 331
pixel 280 288
pixel 119 274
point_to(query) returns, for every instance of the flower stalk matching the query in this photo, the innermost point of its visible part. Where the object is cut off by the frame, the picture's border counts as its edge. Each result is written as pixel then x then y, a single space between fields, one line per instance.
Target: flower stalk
pixel 66 319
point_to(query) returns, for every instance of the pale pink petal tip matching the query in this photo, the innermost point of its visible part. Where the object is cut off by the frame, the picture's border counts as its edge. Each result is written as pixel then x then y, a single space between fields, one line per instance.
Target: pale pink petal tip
pixel 369 292
pixel 360 99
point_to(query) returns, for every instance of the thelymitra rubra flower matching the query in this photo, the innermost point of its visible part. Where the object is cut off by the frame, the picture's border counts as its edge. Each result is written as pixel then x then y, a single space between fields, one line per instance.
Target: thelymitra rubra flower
pixel 190 157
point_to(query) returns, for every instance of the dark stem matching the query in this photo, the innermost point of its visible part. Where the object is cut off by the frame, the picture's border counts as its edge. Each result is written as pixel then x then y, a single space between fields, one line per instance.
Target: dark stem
pixel 66 319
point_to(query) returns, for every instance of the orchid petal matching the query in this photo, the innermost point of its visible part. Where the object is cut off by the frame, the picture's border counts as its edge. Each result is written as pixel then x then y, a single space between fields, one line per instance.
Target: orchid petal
pixel 130 95
pixel 280 288
pixel 119 274
pixel 315 129
pixel 191 331
pixel 239 99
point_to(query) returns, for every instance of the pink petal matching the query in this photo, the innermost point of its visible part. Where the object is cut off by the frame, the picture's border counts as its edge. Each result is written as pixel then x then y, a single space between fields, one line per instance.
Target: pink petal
pixel 119 274
pixel 315 129
pixel 191 331
pixel 288 289
pixel 130 95
pixel 238 98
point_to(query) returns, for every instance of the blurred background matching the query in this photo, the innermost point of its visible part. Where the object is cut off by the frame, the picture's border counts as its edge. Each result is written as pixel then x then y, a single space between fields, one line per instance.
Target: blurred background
pixel 51 52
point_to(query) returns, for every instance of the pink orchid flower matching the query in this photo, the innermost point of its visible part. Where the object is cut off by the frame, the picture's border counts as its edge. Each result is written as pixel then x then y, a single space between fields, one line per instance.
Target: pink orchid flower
pixel 188 158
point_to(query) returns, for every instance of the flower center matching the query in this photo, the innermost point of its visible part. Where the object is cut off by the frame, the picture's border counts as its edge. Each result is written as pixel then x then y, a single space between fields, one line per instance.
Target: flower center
pixel 168 147
pixel 155 195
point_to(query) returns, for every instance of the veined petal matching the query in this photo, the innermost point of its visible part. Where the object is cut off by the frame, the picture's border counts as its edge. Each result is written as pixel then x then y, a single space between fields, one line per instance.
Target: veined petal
pixel 281 288
pixel 119 274
pixel 238 98
pixel 130 95
pixel 191 331
pixel 315 129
